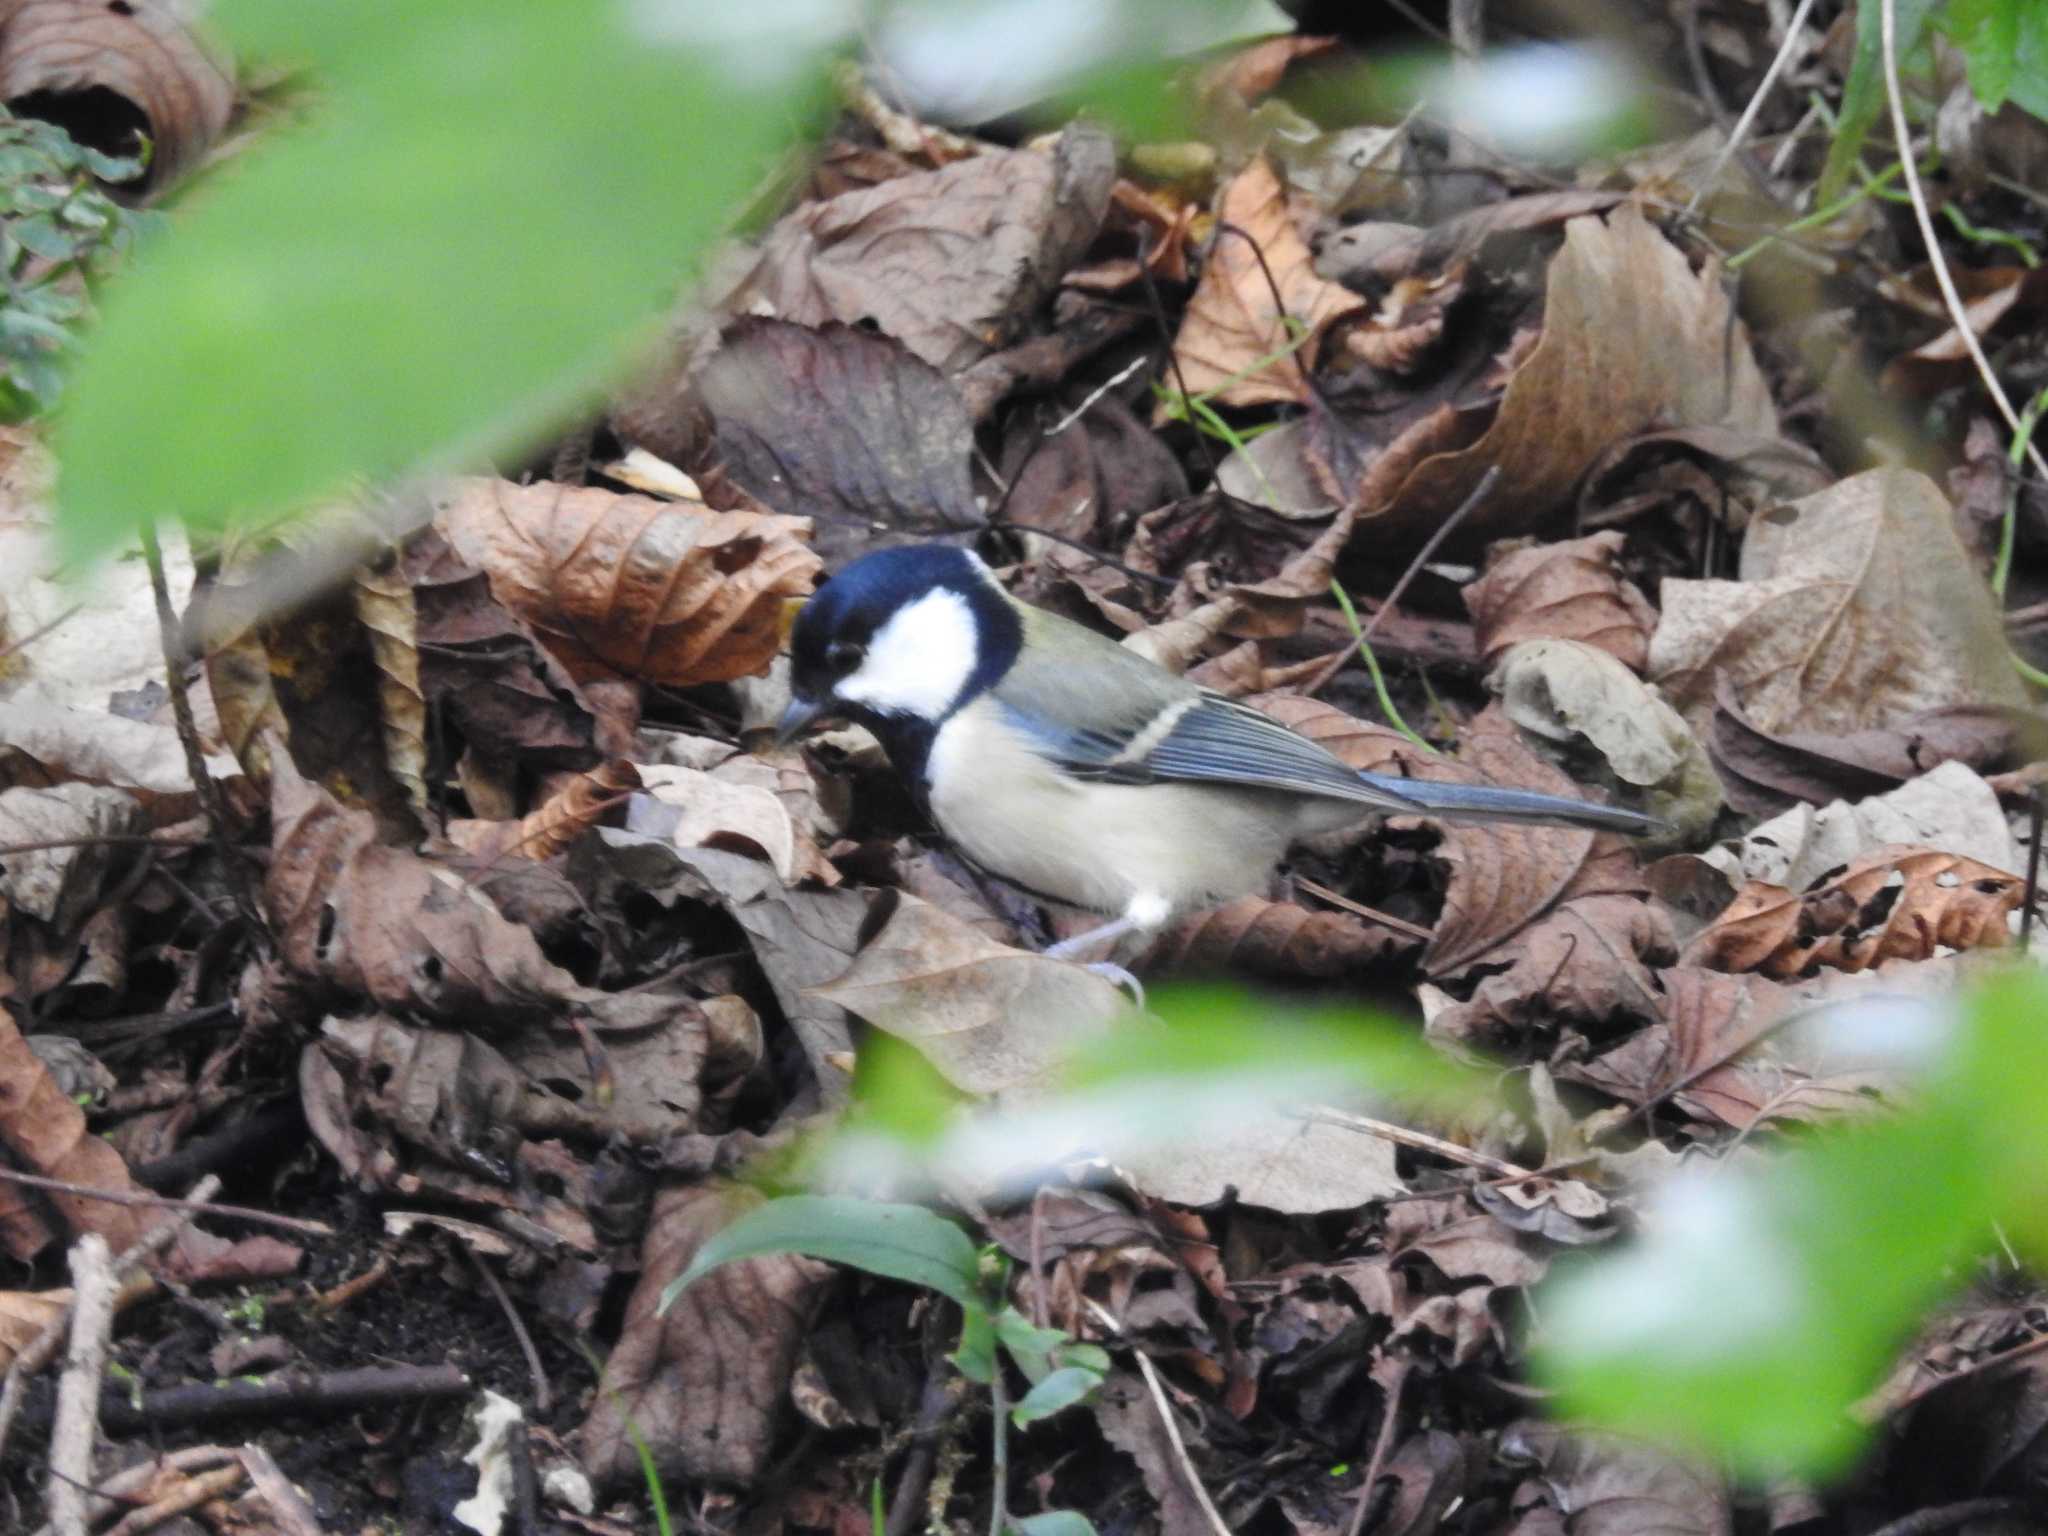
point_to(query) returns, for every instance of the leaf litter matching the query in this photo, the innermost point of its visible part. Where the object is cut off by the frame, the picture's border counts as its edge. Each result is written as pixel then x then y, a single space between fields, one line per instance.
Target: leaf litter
pixel 552 946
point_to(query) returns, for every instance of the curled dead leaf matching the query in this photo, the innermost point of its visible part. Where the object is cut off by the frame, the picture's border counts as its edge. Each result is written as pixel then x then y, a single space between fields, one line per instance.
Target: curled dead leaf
pixel 142 52
pixel 551 827
pixel 1632 338
pixel 1569 590
pixel 1238 318
pixel 627 586
pixel 1856 606
pixel 1898 904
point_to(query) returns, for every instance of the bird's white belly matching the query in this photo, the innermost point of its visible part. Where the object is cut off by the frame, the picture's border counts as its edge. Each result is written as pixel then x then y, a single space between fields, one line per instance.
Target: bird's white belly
pixel 1102 846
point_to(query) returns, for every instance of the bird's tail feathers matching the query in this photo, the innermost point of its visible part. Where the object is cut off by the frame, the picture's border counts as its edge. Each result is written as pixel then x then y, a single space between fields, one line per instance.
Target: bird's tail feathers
pixel 1485 802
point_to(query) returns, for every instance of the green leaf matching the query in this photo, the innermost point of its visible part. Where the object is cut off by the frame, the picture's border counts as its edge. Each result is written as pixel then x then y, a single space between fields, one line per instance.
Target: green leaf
pixel 2030 68
pixel 45 237
pixel 1089 1357
pixel 1988 34
pixel 1055 1522
pixel 901 1242
pixel 1031 1347
pixel 976 1355
pixel 1062 1389
pixel 498 196
pixel 1863 96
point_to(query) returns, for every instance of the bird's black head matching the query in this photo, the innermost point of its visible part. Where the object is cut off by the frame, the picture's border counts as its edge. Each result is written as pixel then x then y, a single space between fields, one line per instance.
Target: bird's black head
pixel 907 634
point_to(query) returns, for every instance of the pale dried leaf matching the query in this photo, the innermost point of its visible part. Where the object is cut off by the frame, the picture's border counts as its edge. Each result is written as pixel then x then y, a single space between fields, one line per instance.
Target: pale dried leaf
pixel 1233 321
pixel 1856 607
pixel 990 1018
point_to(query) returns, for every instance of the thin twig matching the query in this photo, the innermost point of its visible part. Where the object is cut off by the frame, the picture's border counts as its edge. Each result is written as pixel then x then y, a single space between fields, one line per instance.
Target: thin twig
pixel 42 1349
pixel 1359 908
pixel 1420 1141
pixel 1443 531
pixel 288 1507
pixel 1390 1415
pixel 166 1202
pixel 1095 395
pixel 210 800
pixel 1744 123
pixel 1167 1421
pixel 1888 30
pixel 75 1435
pixel 36 634
pixel 543 1399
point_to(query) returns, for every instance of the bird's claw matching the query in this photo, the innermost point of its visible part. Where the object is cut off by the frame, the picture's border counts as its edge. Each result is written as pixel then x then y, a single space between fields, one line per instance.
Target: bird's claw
pixel 1117 976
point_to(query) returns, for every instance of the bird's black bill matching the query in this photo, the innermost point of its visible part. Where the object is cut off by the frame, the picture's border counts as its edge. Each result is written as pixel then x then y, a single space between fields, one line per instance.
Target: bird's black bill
pixel 797 719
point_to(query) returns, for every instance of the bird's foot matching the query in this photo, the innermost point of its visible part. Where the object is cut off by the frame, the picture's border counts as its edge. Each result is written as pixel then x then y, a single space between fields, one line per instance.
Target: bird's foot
pixel 1117 976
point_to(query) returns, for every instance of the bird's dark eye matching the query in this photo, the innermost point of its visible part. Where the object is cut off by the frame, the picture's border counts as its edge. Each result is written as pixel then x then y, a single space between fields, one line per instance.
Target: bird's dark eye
pixel 843 657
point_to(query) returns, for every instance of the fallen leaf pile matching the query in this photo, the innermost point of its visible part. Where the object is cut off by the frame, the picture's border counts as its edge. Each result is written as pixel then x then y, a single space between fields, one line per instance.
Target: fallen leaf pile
pixel 500 934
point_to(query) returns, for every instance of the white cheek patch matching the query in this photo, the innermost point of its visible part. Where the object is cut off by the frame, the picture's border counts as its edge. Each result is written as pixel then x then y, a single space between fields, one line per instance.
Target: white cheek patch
pixel 919 661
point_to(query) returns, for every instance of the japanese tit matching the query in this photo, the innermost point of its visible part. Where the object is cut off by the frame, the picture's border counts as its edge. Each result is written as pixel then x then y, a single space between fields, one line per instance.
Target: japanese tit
pixel 1075 768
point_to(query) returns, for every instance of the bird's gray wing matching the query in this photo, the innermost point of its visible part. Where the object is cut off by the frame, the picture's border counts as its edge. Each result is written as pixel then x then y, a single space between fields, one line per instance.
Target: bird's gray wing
pixel 1188 736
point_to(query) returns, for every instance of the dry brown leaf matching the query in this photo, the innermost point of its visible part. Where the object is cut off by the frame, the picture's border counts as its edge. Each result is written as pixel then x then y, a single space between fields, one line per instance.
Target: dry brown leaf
pixel 1233 320
pixel 988 1017
pixel 369 920
pixel 711 811
pixel 701 1386
pixel 628 586
pixel 952 262
pixel 1569 590
pixel 142 51
pixel 1856 607
pixel 502 689
pixel 845 426
pixel 1766 771
pixel 1584 966
pixel 1632 338
pixel 45 1133
pixel 1900 904
pixel 1272 938
pixel 557 822
pixel 1598 1484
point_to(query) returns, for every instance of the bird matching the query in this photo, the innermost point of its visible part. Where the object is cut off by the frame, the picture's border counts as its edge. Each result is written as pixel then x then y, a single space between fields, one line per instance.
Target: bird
pixel 1076 769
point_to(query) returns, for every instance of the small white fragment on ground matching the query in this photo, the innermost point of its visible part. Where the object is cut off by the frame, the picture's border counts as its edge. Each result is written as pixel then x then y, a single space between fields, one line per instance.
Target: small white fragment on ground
pixel 484 1511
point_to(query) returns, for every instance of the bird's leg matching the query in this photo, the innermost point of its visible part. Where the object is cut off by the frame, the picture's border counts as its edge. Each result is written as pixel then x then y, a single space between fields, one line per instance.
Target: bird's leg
pixel 1081 943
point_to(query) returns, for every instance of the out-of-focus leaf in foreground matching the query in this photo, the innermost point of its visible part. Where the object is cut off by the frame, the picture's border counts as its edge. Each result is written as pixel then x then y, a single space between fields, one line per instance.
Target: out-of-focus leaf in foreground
pixel 489 198
pixel 1762 1306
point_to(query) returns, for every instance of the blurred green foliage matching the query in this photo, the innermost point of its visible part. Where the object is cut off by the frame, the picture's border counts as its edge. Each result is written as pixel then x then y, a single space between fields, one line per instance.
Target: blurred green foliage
pixel 489 201
pixel 2004 44
pixel 1761 1306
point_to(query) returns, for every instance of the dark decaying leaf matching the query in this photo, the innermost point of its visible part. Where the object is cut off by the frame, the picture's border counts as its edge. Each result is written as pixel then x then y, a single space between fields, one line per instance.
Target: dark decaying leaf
pixel 702 1385
pixel 952 262
pixel 1609 1485
pixel 503 690
pixel 1763 772
pixel 843 426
